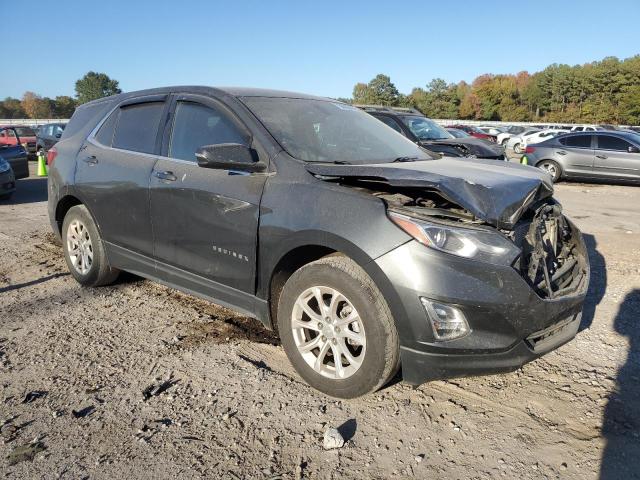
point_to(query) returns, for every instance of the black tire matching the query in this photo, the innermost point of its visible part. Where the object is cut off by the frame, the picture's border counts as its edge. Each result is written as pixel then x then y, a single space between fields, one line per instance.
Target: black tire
pixel 6 196
pixel 380 359
pixel 99 272
pixel 552 168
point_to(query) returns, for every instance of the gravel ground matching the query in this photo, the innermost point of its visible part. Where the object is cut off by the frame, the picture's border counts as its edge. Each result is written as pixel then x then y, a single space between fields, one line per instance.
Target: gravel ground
pixel 140 381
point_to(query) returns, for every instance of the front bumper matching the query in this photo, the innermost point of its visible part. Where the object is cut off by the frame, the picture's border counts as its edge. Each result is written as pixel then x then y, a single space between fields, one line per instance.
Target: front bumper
pixel 20 167
pixel 510 324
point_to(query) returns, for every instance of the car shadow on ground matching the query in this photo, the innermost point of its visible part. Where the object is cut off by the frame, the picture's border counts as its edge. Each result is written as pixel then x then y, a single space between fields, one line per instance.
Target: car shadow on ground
pixel 621 422
pixel 597 281
pixel 28 190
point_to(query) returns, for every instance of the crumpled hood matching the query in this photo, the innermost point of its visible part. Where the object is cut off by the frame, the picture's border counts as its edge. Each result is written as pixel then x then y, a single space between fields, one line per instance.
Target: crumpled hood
pixel 496 192
pixel 477 146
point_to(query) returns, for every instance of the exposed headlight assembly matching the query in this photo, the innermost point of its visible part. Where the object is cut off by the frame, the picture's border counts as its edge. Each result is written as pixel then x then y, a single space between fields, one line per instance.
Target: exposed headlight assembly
pixel 477 244
pixel 4 165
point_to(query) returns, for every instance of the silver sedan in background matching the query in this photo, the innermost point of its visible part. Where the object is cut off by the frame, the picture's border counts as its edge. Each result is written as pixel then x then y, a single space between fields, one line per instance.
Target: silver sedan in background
pixel 602 155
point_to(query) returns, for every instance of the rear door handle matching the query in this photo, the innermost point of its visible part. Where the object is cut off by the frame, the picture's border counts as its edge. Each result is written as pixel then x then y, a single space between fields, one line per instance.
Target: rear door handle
pixel 602 157
pixel 168 176
pixel 91 160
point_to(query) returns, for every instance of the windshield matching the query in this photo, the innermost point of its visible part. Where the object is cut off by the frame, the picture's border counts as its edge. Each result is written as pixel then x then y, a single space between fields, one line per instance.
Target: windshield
pixel 324 131
pixel 426 129
pixel 25 132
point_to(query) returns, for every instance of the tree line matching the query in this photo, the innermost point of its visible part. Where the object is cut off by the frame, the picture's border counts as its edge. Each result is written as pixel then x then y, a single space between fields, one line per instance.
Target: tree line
pixel 606 91
pixel 91 86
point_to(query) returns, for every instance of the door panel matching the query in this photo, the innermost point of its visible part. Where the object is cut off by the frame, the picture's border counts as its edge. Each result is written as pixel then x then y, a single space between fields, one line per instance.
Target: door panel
pixel 617 163
pixel 205 221
pixel 576 155
pixel 114 181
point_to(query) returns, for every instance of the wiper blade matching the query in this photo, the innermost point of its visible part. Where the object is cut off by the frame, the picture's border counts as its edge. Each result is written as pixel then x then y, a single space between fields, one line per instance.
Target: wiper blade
pixel 405 159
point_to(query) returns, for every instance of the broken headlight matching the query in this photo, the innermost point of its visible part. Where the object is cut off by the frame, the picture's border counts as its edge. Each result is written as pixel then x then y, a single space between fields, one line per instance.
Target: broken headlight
pixel 482 245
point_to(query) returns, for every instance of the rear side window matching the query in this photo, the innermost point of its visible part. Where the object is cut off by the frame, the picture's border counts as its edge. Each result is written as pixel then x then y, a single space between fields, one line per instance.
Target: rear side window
pixel 580 141
pixel 391 122
pixel 137 127
pixel 196 125
pixel 84 117
pixel 607 142
pixel 105 134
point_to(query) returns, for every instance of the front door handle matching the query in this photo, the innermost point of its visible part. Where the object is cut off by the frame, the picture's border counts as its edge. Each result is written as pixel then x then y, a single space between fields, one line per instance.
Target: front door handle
pixel 167 176
pixel 561 152
pixel 91 160
pixel 602 157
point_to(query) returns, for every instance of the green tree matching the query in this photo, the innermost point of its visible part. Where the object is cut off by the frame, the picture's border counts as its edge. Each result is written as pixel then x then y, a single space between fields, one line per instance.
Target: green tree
pixel 63 107
pixel 12 108
pixel 380 91
pixel 95 85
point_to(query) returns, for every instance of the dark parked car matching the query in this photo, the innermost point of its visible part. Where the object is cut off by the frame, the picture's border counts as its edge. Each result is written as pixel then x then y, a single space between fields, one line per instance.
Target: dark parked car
pixel 428 134
pixel 14 152
pixel 48 135
pixel 458 133
pixel 475 132
pixel 362 251
pixel 603 155
pixel 7 180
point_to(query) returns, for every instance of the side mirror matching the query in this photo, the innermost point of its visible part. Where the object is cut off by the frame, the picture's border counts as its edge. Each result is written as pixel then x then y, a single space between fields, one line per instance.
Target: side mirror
pixel 58 135
pixel 634 149
pixel 229 156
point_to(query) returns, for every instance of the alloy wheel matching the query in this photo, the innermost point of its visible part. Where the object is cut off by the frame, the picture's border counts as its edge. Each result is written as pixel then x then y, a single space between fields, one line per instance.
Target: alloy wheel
pixel 328 332
pixel 550 168
pixel 79 247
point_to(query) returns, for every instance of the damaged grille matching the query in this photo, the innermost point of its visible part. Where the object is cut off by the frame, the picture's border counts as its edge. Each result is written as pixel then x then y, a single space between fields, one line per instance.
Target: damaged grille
pixel 553 258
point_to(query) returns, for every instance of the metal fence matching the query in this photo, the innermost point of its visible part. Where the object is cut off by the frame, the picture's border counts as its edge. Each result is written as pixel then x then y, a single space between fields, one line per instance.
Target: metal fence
pixel 31 122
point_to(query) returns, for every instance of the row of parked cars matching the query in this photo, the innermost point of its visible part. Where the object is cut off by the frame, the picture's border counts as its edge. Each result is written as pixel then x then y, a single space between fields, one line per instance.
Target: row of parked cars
pixel 17 144
pixel 588 152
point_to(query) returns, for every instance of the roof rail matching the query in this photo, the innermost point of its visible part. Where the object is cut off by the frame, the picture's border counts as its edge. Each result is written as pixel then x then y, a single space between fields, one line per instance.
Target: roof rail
pixel 385 108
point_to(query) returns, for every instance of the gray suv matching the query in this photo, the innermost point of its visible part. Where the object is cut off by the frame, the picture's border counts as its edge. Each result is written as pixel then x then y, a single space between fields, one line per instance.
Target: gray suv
pixel 362 251
pixel 602 155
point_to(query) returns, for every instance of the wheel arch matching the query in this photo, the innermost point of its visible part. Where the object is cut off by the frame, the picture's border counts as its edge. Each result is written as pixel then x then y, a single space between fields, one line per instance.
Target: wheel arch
pixel 299 254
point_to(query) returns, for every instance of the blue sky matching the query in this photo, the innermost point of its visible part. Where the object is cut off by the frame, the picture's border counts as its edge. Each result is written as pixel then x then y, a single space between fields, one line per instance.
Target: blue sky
pixel 322 47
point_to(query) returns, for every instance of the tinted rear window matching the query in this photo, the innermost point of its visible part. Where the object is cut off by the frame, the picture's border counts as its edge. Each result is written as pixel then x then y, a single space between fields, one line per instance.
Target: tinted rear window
pixel 137 127
pixel 582 141
pixel 83 116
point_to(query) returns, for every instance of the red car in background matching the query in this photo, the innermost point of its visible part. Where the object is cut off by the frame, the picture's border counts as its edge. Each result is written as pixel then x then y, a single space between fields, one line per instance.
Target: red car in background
pixel 474 132
pixel 26 137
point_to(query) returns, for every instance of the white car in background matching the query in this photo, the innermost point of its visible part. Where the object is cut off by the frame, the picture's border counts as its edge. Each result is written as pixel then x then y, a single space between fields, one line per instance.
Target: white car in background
pixel 510 132
pixel 491 129
pixel 530 137
pixel 586 128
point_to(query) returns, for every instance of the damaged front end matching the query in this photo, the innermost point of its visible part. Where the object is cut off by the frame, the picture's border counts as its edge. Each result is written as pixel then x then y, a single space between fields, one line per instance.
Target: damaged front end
pixel 504 216
pixel 554 258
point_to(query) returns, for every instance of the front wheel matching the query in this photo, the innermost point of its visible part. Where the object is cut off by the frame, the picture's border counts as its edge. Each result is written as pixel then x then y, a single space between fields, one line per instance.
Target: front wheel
pixel 83 249
pixel 336 328
pixel 552 168
pixel 518 148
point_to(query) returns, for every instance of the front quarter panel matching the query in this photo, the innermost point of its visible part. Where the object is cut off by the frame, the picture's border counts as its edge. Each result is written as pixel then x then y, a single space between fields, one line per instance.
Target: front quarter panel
pixel 299 210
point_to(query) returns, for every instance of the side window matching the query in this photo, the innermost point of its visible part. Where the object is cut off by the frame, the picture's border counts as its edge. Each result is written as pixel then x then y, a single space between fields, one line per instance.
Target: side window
pixel 137 127
pixel 196 125
pixel 49 131
pixel 607 142
pixel 390 122
pixel 579 141
pixel 105 134
pixel 578 129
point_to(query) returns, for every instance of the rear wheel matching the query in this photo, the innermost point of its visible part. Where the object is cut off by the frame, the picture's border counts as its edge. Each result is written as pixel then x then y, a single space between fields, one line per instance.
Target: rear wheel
pixel 552 168
pixel 518 148
pixel 83 249
pixel 336 328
